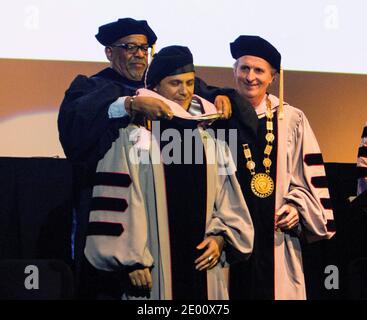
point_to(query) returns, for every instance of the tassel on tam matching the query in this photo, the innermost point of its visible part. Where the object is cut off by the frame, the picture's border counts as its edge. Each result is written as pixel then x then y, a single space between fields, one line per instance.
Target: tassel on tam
pixel 152 51
pixel 281 94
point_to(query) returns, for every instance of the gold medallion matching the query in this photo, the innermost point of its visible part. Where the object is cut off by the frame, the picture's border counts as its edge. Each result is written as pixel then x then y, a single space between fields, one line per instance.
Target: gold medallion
pixel 262 185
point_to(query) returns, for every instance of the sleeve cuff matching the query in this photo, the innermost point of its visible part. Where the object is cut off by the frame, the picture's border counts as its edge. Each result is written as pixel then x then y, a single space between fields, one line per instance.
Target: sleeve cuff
pixel 117 108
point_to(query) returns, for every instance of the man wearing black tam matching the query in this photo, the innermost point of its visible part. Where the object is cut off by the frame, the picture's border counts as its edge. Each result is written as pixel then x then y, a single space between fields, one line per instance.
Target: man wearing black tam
pixel 282 177
pixel 169 61
pixel 94 108
pixel 191 219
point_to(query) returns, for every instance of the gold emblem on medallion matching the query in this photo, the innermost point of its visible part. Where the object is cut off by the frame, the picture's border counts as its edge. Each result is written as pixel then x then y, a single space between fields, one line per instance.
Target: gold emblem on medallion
pixel 262 185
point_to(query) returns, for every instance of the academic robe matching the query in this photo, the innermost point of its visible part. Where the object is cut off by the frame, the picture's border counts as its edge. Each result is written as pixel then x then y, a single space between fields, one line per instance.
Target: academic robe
pixel 86 133
pixel 275 270
pixel 129 222
pixel 362 163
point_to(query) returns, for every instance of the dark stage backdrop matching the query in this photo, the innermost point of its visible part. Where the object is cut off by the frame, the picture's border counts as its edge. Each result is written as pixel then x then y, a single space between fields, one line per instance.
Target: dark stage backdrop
pixel 35 221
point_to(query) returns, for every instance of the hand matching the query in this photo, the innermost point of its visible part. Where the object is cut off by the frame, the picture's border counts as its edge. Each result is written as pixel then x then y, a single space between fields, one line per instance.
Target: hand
pixel 287 217
pixel 211 255
pixel 141 278
pixel 223 105
pixel 152 108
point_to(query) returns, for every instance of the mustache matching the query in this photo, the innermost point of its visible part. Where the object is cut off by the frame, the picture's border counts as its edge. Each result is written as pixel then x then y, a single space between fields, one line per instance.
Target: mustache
pixel 138 60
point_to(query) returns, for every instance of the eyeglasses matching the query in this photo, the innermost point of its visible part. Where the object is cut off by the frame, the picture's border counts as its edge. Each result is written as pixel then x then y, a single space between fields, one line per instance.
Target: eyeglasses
pixel 132 48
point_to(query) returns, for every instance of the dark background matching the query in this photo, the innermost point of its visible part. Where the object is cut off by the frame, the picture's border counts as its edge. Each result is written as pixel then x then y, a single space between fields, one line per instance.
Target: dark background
pixel 35 224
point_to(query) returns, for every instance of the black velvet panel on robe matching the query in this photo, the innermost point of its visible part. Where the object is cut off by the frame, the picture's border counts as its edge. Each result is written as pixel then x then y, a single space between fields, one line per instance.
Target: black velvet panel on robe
pixel 254 279
pixel 186 200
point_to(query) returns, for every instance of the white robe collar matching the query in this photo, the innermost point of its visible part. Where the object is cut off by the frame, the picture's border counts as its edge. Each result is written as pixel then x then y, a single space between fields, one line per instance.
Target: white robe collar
pixel 261 108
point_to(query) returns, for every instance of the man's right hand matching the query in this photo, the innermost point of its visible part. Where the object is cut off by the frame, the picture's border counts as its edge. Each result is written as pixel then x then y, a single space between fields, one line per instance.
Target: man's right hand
pixel 150 107
pixel 141 279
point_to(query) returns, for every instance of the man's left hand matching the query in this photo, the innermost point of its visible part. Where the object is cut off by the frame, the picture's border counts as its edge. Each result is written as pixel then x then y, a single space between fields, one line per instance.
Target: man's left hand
pixel 210 257
pixel 223 105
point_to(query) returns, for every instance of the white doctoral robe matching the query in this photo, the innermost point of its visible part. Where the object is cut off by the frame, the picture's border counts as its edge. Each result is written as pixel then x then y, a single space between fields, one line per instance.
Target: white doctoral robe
pixel 137 232
pixel 300 180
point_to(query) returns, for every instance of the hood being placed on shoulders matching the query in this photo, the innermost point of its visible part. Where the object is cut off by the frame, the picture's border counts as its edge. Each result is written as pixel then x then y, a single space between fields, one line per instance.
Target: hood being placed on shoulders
pixel 178 111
